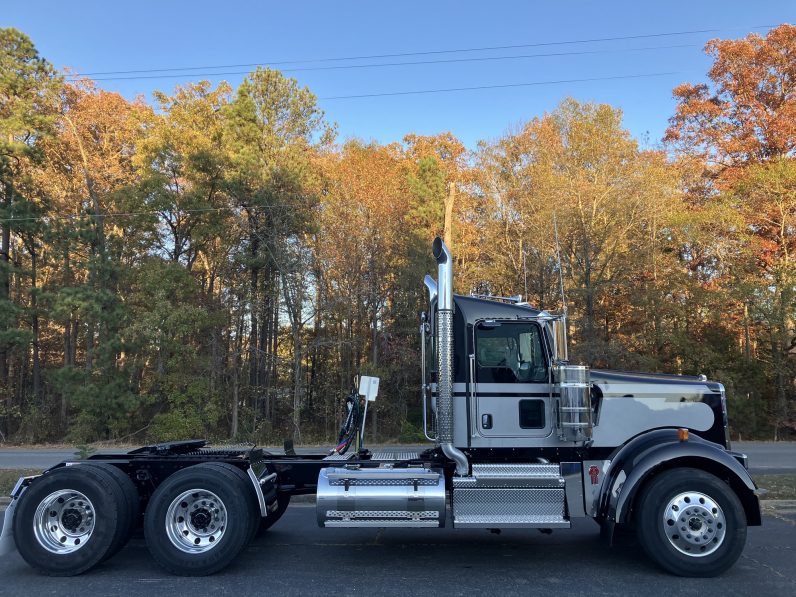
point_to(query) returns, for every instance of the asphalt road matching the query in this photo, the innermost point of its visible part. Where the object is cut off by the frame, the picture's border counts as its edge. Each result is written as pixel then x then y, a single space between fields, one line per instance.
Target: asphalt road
pixel 764 457
pixel 298 558
pixel 771 458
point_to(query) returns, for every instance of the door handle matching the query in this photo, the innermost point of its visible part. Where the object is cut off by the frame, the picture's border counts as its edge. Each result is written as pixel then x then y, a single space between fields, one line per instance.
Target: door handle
pixel 486 421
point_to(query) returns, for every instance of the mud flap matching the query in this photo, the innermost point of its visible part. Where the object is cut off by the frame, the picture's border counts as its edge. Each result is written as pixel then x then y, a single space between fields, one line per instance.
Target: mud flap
pixel 7 544
pixel 607 532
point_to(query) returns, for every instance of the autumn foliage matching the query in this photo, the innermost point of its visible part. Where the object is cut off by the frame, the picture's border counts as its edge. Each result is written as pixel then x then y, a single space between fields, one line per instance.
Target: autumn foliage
pixel 218 264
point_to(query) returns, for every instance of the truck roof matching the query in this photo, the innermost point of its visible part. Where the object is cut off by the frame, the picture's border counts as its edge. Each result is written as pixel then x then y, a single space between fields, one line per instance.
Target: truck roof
pixel 475 308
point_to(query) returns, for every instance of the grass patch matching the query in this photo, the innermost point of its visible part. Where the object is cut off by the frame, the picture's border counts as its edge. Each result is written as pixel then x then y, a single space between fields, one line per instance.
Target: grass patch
pixel 8 478
pixel 778 487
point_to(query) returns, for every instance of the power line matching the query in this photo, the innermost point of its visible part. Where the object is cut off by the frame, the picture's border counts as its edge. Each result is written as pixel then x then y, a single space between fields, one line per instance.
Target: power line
pixel 508 85
pixel 410 63
pixel 427 52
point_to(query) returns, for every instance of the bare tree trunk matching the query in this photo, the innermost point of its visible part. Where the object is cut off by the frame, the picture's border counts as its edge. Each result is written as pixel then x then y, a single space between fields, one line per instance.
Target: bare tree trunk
pixel 374 360
pixel 273 377
pixel 374 356
pixel 449 204
pixel 67 364
pixel 34 308
pixel 254 298
pixel 89 346
pixel 294 301
pixel 233 428
pixel 5 281
pixel 297 384
pixel 589 310
pixel 780 354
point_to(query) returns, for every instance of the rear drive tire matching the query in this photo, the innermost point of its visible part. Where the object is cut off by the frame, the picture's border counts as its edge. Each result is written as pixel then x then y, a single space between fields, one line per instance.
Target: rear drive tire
pixel 283 501
pixel 198 520
pixel 246 488
pixel 130 505
pixel 68 520
pixel 691 523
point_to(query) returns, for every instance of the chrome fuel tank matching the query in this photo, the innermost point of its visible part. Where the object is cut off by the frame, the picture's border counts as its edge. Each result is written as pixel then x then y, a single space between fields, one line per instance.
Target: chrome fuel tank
pixel 380 497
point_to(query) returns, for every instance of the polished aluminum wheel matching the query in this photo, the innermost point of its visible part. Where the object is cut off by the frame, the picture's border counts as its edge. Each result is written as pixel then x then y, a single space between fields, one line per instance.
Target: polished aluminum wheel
pixel 694 523
pixel 64 521
pixel 196 520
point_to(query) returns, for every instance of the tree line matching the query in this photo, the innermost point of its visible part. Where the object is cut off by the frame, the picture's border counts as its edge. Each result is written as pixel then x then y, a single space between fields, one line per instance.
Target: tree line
pixel 218 264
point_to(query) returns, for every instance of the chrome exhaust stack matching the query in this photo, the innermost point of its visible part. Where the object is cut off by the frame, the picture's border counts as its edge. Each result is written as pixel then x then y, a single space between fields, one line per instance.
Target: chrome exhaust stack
pixel 444 326
pixel 431 285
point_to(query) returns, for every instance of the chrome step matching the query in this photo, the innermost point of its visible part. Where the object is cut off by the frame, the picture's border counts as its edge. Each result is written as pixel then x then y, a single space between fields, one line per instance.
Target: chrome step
pixel 381 518
pixel 509 508
pixel 389 455
pixel 510 495
pixel 512 475
pixel 346 456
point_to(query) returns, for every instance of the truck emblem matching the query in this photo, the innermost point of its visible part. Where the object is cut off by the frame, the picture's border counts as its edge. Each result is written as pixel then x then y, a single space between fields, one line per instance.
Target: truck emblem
pixel 594 474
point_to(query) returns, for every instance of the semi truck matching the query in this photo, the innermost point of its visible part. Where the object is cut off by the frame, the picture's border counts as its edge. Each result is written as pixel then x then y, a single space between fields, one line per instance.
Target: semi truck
pixel 518 437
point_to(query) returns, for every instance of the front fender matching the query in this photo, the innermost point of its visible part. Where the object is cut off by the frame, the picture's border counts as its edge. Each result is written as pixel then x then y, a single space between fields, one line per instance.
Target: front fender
pixel 660 450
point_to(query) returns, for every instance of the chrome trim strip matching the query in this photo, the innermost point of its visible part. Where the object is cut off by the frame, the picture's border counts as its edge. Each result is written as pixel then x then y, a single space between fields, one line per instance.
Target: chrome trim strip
pixel 423 385
pixel 258 490
pixel 572 472
pixel 473 399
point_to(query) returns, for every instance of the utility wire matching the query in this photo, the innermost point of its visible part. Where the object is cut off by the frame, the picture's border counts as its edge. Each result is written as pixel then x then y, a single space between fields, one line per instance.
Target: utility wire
pixel 508 85
pixel 426 52
pixel 409 63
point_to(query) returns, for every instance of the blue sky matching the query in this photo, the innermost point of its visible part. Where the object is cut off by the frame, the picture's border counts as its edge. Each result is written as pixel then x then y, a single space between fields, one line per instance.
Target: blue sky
pixel 93 36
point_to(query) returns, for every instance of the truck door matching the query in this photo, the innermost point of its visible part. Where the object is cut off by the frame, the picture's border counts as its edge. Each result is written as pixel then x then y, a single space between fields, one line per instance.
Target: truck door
pixel 509 382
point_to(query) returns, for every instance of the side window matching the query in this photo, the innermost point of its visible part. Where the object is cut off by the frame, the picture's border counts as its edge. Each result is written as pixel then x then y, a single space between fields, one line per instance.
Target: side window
pixel 532 414
pixel 509 353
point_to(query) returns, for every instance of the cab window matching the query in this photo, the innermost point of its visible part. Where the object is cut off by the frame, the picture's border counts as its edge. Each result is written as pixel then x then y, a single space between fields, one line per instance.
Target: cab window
pixel 508 352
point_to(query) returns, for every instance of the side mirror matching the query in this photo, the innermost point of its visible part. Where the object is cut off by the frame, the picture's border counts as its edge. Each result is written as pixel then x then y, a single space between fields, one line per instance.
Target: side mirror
pixel 559 329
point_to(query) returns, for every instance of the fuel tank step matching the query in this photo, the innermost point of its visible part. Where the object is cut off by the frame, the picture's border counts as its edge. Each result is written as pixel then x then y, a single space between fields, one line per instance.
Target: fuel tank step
pixel 509 508
pixel 509 495
pixel 380 497
pixel 512 475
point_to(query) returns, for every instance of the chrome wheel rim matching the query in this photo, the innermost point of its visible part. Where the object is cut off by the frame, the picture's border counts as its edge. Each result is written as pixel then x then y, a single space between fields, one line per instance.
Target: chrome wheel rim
pixel 64 521
pixel 196 521
pixel 694 523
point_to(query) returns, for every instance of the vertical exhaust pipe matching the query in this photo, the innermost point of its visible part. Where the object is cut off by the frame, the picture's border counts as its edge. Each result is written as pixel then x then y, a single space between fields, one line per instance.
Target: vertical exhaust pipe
pixel 431 286
pixel 445 356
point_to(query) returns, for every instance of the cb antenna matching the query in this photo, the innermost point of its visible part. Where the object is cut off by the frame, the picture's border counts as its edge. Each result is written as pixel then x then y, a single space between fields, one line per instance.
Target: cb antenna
pixel 560 269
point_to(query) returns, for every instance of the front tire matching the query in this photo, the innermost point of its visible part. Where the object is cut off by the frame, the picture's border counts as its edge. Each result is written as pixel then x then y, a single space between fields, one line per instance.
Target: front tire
pixel 691 523
pixel 198 521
